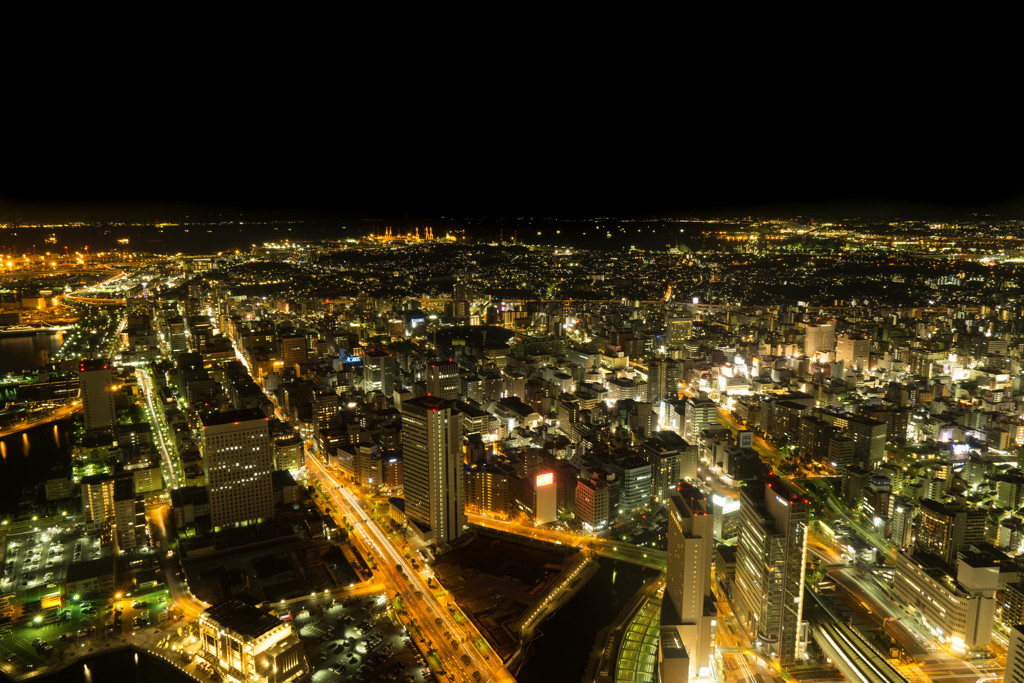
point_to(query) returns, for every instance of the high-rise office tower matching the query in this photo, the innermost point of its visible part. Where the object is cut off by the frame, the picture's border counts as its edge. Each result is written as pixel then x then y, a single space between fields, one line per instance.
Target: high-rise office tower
pixel 293 349
pixel 944 529
pixel 379 372
pixel 819 339
pixel 96 381
pixel 129 515
pixel 853 350
pixel 325 408
pixel 663 383
pixel 668 453
pixel 98 499
pixel 239 461
pixel 432 468
pixel 1014 672
pixel 770 561
pixel 443 379
pixel 110 501
pixel 701 413
pixel 691 607
pixel 678 329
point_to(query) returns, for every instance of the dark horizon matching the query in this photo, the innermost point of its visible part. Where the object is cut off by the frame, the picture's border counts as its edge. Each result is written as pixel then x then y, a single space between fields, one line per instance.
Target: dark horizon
pixel 17 210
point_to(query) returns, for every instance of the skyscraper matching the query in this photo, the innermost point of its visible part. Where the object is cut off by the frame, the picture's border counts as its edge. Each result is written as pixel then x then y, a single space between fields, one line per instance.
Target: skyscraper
pixel 293 349
pixel 443 379
pixel 663 383
pixel 665 451
pixel 691 608
pixel 944 529
pixel 111 504
pixel 853 350
pixel 1014 672
pixel 678 328
pixel 129 515
pixel 770 563
pixel 819 339
pixel 98 499
pixel 239 461
pixel 96 382
pixel 701 412
pixel 325 408
pixel 432 468
pixel 379 372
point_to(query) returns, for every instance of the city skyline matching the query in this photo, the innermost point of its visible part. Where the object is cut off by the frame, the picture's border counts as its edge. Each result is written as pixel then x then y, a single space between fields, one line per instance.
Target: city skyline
pixel 719 448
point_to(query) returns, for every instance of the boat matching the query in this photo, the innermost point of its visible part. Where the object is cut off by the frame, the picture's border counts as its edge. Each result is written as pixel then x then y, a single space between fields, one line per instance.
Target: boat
pixel 25 330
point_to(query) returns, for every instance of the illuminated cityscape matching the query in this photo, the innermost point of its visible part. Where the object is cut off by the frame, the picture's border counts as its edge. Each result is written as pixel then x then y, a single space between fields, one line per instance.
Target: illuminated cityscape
pixel 641 450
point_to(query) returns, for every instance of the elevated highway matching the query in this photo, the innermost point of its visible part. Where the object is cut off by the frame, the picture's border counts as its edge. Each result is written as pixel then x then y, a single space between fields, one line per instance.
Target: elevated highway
pixel 602 547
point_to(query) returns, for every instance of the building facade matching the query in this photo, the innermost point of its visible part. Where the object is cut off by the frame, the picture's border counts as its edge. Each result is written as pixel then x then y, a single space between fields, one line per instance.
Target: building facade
pixel 432 468
pixel 96 383
pixel 694 610
pixel 249 644
pixel 239 462
pixel 770 565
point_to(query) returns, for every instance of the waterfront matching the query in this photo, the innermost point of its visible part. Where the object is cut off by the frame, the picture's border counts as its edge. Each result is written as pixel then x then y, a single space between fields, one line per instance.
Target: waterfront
pixel 560 653
pixel 122 666
pixel 30 457
pixel 28 351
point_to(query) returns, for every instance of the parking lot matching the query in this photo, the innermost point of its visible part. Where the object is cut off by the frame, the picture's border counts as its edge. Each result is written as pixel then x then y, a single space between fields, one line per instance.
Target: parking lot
pixel 36 562
pixel 359 641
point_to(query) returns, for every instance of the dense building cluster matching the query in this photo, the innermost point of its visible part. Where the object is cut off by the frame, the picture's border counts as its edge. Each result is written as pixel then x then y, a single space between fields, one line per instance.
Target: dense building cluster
pixel 772 412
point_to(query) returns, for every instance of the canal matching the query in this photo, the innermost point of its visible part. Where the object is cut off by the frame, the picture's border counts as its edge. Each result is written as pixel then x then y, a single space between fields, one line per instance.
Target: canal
pixel 123 666
pixel 27 351
pixel 31 457
pixel 565 641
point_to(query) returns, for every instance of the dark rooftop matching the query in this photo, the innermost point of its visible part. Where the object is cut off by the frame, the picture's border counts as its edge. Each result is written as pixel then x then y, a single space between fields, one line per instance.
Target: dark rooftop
pixel 242 618
pixel 428 403
pixel 90 569
pixel 211 419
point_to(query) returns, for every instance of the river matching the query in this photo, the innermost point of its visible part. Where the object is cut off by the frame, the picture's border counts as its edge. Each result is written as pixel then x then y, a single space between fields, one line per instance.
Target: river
pixel 121 666
pixel 29 351
pixel 31 457
pixel 561 653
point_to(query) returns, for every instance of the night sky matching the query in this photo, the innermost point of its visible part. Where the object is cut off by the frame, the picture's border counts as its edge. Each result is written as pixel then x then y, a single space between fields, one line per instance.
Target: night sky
pixel 421 145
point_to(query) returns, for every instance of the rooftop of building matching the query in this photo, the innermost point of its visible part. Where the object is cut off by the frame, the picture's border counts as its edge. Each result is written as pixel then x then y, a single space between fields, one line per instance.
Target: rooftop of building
pixel 282 478
pixel 242 618
pixel 427 403
pixel 692 500
pixel 91 365
pixel 667 440
pixel 470 410
pixel 232 416
pixel 671 644
pixel 189 495
pixel 516 405
pixel 90 569
pixel 937 506
pixel 854 418
pixel 786 490
pixel 726 552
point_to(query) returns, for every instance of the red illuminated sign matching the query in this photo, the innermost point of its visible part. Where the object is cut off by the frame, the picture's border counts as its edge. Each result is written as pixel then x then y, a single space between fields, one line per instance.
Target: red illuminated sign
pixel 545 479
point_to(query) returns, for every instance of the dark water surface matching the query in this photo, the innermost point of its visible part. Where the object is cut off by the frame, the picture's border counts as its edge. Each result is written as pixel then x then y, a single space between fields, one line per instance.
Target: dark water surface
pixel 27 352
pixel 30 457
pixel 561 653
pixel 117 667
